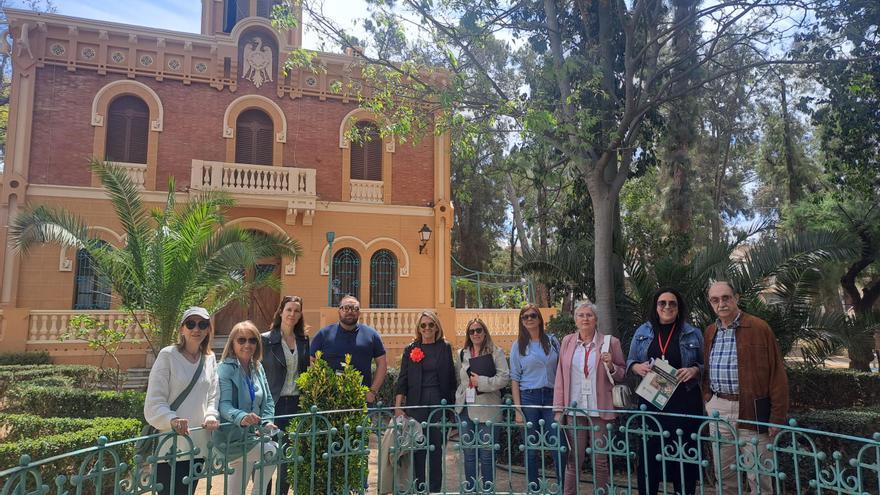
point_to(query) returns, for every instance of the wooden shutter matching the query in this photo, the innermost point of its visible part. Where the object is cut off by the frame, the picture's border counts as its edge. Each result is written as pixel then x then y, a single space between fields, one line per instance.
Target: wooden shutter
pixel 128 129
pixel 366 153
pixel 254 138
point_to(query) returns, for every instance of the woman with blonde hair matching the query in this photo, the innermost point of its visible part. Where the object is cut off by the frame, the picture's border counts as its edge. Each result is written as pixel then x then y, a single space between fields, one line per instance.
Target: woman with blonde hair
pixel 245 401
pixel 481 386
pixel 427 376
pixel 182 393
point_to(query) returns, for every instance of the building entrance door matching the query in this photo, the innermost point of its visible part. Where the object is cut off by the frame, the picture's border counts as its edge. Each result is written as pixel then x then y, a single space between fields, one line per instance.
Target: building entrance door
pixel 259 308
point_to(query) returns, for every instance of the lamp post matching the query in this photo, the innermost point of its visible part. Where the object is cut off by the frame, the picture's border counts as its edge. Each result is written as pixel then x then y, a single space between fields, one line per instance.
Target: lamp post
pixel 330 236
pixel 424 237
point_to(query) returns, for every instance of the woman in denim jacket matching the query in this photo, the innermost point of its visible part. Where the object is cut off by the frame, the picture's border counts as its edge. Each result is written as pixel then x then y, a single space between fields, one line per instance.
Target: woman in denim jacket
pixel 667 336
pixel 245 401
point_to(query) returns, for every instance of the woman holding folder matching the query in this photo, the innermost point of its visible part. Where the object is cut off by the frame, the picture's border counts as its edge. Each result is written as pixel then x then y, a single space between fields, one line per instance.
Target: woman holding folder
pixel 667 336
pixel 482 373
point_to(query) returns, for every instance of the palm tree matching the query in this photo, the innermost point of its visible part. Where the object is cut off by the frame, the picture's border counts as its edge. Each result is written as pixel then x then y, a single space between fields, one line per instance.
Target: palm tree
pixel 174 257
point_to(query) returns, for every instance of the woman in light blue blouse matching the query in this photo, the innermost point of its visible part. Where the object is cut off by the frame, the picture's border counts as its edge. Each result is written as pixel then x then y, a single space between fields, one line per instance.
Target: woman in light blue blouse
pixel 533 360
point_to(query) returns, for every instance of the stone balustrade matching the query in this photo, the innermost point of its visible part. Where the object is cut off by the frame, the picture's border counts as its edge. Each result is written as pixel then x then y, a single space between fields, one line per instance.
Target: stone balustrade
pixel 367 191
pixel 45 326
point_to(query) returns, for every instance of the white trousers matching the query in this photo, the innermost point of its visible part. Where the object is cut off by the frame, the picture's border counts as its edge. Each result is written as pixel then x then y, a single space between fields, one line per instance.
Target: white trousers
pixel 726 454
pixel 244 466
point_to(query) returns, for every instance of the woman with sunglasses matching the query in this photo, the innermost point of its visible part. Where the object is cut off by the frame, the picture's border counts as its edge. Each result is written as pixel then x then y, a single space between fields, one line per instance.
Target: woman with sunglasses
pixel 585 366
pixel 668 336
pixel 287 355
pixel 182 394
pixel 484 391
pixel 427 376
pixel 533 360
pixel 245 402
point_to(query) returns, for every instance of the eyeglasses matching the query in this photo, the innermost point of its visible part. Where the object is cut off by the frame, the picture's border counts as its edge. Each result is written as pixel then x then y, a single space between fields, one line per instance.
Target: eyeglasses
pixel 475 331
pixel 349 308
pixel 726 298
pixel 429 324
pixel 247 340
pixel 529 316
pixel 663 304
pixel 203 324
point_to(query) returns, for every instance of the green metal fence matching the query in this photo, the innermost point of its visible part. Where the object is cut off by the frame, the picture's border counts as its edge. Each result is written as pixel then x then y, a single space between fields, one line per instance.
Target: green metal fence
pixel 323 455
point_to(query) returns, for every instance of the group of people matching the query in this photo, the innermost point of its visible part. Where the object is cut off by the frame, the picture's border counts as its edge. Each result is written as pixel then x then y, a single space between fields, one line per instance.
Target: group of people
pixel 730 367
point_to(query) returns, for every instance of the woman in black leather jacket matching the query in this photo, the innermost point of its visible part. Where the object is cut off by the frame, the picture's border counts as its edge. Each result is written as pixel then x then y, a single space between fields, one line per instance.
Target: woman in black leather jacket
pixel 285 356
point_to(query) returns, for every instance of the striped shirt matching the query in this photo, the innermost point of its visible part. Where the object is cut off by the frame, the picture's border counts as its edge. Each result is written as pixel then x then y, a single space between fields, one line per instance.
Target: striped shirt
pixel 723 365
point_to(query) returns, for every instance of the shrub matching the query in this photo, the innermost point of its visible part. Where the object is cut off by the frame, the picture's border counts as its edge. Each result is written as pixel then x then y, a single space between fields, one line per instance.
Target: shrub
pixel 386 391
pixel 321 386
pixel 42 438
pixel 19 358
pixel 561 325
pixel 851 388
pixel 82 376
pixel 74 402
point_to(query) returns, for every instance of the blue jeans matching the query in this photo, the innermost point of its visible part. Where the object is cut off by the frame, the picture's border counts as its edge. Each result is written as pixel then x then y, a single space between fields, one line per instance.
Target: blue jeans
pixel 550 433
pixel 480 439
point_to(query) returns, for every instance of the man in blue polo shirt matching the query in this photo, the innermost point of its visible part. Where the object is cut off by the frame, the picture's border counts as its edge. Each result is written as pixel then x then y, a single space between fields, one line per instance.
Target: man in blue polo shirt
pixel 347 336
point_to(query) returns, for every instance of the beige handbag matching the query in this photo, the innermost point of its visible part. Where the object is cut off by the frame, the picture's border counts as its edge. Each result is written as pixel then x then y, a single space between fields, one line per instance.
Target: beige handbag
pixel 621 394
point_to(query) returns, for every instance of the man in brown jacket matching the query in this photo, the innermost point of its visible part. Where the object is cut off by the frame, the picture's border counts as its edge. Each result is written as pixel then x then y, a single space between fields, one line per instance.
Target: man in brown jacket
pixel 744 369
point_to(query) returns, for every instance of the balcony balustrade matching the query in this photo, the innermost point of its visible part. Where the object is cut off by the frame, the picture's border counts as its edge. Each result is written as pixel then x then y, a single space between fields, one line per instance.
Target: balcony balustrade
pixel 49 326
pixel 367 191
pixel 136 172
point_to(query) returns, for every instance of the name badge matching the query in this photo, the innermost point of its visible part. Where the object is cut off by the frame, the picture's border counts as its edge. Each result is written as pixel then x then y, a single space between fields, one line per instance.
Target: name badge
pixel 470 395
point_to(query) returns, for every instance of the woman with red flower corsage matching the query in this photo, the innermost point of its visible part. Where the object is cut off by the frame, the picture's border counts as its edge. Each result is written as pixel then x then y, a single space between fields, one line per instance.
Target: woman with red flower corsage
pixel 427 376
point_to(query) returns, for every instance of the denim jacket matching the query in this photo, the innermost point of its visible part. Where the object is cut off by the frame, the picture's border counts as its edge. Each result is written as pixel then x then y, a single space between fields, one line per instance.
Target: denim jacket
pixel 235 401
pixel 690 343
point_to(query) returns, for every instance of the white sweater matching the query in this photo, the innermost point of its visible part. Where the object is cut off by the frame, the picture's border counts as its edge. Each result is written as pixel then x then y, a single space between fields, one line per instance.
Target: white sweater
pixel 170 375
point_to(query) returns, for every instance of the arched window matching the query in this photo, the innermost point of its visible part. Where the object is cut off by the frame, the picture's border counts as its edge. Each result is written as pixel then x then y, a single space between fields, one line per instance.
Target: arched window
pixel 128 126
pixel 346 274
pixel 254 138
pixel 366 153
pixel 383 280
pixel 91 291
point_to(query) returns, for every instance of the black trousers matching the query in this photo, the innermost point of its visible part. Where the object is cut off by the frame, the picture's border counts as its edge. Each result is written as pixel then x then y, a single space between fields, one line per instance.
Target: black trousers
pixel 177 486
pixel 434 458
pixel 288 404
pixel 683 485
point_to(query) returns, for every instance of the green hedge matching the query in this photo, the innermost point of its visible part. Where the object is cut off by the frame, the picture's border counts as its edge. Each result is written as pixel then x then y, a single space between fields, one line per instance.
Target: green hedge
pixel 82 376
pixel 810 386
pixel 19 358
pixel 42 438
pixel 68 402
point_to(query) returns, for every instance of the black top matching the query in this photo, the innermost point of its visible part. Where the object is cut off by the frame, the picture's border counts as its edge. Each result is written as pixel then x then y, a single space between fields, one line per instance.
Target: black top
pixel 682 401
pixel 431 365
pixel 276 365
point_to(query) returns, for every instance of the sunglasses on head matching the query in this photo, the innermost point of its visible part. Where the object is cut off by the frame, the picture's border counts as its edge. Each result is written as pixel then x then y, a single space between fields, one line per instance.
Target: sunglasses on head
pixel 663 304
pixel 429 324
pixel 247 340
pixel 475 331
pixel 529 316
pixel 203 324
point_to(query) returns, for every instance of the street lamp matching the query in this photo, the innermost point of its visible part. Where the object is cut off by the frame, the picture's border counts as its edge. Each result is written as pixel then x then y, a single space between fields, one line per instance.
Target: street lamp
pixel 330 236
pixel 424 236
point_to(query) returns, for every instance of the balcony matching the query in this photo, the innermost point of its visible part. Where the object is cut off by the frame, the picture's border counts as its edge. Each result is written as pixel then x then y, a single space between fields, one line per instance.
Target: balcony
pixel 367 191
pixel 48 326
pixel 260 186
pixel 136 172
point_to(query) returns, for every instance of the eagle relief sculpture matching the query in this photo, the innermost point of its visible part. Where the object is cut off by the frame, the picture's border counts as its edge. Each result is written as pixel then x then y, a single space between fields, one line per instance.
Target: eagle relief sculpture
pixel 257 62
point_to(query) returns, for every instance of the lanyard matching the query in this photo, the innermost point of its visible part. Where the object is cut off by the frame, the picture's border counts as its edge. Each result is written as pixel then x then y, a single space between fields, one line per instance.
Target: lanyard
pixel 665 346
pixel 589 348
pixel 250 385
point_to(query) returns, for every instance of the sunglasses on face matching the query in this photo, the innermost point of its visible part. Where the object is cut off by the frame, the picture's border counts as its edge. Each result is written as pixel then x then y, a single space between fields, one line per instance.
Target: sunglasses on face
pixel 429 324
pixel 725 299
pixel 202 324
pixel 349 308
pixel 529 316
pixel 663 304
pixel 246 340
pixel 475 331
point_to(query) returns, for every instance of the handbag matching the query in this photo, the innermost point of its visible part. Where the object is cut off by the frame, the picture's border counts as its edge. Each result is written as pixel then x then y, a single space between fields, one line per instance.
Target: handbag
pixel 147 446
pixel 621 393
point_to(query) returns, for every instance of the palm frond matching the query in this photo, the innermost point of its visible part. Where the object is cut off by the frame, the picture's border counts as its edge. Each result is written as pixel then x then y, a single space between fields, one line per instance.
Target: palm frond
pixel 44 225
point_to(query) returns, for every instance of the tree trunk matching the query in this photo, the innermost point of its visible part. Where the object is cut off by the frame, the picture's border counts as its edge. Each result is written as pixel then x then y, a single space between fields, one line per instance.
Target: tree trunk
pixel 791 165
pixel 603 238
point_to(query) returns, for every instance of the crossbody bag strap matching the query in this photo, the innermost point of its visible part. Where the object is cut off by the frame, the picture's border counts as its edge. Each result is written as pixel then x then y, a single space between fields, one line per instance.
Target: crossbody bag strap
pixel 192 383
pixel 606 346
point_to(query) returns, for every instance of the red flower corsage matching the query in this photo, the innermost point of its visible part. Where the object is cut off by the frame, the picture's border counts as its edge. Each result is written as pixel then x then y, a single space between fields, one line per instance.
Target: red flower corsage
pixel 416 355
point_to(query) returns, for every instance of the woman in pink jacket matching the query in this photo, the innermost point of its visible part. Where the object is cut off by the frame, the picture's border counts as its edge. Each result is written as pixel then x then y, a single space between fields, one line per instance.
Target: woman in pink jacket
pixel 582 376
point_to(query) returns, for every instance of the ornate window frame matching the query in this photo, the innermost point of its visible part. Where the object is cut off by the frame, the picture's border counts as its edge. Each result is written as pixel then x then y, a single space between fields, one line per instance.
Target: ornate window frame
pixel 247 102
pixel 352 118
pixel 100 106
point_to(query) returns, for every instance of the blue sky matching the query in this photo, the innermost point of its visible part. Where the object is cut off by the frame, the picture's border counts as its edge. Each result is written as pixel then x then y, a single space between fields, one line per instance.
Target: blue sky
pixel 184 15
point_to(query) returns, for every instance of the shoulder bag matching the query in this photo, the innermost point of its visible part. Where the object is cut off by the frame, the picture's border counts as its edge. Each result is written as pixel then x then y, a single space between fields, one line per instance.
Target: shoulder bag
pixel 147 446
pixel 621 394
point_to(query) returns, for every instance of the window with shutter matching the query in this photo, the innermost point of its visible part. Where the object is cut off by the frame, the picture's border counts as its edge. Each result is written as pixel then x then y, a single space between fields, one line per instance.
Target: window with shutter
pixel 383 280
pixel 91 291
pixel 346 275
pixel 128 127
pixel 254 138
pixel 366 153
